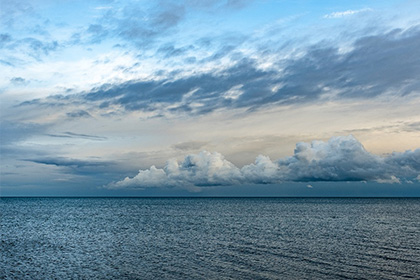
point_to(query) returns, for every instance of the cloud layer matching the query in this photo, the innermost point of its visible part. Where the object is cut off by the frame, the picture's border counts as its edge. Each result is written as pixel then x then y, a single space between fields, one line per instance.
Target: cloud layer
pixel 384 64
pixel 339 159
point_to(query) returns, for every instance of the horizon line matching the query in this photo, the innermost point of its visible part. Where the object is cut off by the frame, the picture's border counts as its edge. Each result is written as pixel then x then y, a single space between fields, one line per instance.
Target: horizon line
pixel 74 196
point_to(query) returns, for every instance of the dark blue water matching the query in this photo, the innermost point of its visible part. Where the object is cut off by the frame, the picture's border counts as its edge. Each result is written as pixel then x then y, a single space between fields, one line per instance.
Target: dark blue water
pixel 209 238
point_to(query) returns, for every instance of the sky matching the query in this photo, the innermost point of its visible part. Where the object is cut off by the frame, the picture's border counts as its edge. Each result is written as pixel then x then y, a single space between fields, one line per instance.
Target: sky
pixel 209 98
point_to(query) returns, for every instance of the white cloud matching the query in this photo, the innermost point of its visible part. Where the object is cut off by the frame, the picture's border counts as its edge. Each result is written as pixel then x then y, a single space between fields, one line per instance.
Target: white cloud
pixel 203 169
pixel 392 180
pixel 263 171
pixel 346 13
pixel 339 159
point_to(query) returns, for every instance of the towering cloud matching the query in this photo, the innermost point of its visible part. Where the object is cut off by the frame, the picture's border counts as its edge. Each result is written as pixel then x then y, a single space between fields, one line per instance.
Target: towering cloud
pixel 340 159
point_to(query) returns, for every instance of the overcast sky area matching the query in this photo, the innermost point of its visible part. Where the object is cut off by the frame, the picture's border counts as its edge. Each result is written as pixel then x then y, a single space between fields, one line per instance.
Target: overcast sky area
pixel 210 98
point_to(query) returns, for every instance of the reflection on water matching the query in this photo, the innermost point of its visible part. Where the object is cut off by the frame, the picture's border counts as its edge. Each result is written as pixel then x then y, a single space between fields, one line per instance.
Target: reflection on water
pixel 209 238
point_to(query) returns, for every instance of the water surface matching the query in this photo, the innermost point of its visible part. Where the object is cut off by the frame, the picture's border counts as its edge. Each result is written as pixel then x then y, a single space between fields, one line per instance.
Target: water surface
pixel 209 238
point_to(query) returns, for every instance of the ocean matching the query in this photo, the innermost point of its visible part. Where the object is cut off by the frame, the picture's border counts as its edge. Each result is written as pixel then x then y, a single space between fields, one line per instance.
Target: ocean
pixel 210 238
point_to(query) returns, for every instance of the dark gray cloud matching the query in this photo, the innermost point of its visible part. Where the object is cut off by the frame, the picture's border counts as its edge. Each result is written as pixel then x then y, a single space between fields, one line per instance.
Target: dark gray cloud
pixel 78 114
pixel 209 89
pixel 78 167
pixel 68 162
pixel 339 159
pixel 376 65
pixel 381 64
pixel 78 135
pixel 93 169
pixel 409 162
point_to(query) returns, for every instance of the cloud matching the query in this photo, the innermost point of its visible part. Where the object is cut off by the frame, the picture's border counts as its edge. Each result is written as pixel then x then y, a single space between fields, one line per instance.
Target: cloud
pixel 107 169
pixel 37 46
pixel 78 114
pixel 346 13
pixel 191 145
pixel 373 66
pixel 14 132
pixel 4 39
pixel 68 162
pixel 78 135
pixel 392 180
pixel 135 24
pixel 200 170
pixel 412 127
pixel 376 65
pixel 12 11
pixel 19 81
pixel 7 63
pixel 144 25
pixel 169 50
pixel 339 159
pixel 33 47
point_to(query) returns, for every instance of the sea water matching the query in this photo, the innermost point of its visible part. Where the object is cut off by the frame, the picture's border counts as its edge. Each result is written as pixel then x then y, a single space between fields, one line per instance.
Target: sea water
pixel 209 238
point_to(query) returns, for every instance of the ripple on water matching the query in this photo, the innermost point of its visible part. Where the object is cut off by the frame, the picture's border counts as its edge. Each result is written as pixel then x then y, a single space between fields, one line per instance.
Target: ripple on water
pixel 144 238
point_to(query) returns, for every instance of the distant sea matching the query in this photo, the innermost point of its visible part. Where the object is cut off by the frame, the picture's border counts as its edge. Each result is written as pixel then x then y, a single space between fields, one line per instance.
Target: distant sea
pixel 210 238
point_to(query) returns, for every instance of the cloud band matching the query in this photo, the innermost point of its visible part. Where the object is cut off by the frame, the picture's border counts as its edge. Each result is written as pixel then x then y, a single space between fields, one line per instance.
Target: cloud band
pixel 341 158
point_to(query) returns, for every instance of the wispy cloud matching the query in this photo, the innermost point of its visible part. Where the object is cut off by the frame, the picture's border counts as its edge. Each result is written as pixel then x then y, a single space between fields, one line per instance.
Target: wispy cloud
pixel 77 135
pixel 346 13
pixel 68 162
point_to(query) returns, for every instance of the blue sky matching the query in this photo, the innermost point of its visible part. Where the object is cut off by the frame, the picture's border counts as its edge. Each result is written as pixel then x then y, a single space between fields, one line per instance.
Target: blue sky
pixel 285 98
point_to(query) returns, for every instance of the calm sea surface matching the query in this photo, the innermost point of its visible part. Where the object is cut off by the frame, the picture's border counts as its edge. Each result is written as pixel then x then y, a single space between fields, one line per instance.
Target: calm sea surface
pixel 209 238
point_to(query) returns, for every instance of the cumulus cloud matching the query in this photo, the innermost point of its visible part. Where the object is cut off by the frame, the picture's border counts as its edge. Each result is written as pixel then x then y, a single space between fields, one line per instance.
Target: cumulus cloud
pixel 341 158
pixel 203 169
